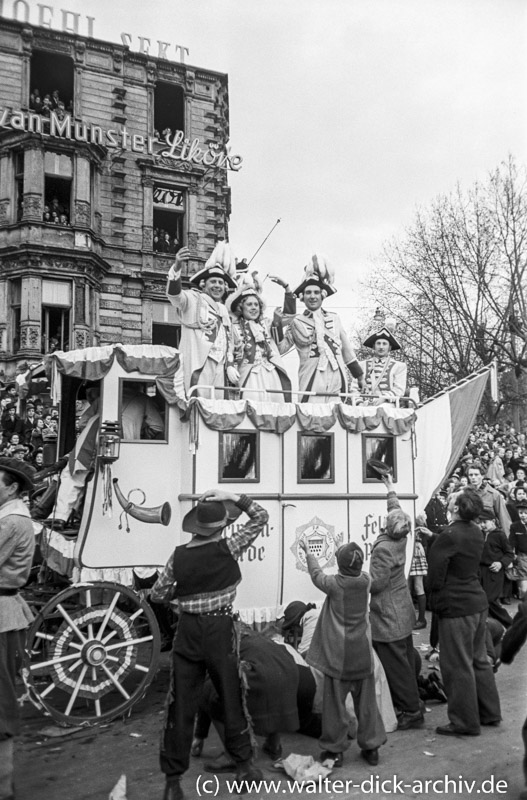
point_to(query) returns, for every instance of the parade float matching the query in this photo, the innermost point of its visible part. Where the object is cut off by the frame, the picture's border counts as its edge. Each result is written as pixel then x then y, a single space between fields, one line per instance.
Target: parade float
pixel 94 646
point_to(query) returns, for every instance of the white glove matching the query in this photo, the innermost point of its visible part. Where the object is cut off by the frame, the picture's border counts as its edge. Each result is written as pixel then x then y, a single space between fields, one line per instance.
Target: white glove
pixel 174 274
pixel 233 375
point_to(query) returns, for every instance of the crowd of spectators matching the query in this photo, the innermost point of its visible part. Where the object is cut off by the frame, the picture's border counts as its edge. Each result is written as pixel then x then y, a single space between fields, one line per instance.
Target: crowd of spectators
pixel 55 213
pixel 44 104
pixel 164 242
pixel 23 436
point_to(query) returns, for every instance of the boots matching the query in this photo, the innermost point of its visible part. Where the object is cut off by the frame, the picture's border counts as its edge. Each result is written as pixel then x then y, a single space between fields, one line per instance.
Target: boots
pixel 421 608
pixel 173 790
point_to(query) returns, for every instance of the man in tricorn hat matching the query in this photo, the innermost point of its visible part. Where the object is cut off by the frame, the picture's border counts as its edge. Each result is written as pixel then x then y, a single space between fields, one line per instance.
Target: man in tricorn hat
pixel 385 377
pixel 205 323
pixel 203 575
pixel 323 347
pixel 17 544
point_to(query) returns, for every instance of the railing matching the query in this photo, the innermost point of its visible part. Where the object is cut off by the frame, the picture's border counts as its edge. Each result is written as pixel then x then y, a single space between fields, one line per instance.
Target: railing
pixel 354 399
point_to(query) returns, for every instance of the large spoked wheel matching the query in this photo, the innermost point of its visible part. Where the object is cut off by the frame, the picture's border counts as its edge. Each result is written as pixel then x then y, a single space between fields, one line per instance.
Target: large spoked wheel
pixel 93 651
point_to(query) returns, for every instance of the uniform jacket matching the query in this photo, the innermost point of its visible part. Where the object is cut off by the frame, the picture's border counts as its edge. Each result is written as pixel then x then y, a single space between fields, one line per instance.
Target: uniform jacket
pixel 302 334
pixel 393 381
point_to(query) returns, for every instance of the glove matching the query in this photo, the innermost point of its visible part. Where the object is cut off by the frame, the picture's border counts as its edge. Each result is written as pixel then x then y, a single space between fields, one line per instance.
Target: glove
pixel 233 375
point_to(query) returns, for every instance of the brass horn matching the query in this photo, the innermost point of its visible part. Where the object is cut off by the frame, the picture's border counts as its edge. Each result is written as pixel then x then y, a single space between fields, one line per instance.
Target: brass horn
pixel 160 513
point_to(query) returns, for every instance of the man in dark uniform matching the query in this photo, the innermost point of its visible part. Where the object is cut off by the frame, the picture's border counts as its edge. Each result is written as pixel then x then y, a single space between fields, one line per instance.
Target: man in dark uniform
pixel 203 575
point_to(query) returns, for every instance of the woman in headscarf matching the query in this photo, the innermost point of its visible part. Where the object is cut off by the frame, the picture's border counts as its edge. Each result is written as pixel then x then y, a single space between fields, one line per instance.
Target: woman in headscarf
pixel 255 362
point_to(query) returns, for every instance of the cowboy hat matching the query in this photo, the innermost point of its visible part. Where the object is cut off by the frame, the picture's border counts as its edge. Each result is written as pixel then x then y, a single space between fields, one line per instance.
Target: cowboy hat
pixel 209 516
pixel 21 471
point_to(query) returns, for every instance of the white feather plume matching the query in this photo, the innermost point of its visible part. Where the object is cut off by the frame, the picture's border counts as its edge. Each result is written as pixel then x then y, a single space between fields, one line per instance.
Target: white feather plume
pixel 319 265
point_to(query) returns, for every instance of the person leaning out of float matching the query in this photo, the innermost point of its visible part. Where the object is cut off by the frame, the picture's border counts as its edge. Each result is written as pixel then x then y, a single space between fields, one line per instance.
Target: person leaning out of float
pixel 256 361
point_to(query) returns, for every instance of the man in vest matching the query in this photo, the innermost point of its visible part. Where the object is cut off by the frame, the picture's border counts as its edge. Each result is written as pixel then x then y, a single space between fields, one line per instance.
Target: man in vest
pixel 205 323
pixel 385 378
pixel 203 575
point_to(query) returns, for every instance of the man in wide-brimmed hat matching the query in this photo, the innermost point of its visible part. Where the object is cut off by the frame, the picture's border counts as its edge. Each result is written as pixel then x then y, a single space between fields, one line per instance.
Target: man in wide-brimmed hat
pixel 205 323
pixel 203 575
pixel 385 377
pixel 17 544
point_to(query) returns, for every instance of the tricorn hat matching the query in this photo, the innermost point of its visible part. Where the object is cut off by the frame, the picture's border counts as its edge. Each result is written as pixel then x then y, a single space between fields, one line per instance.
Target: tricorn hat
pixel 215 271
pixel 209 516
pixel 22 472
pixel 383 333
pixel 317 272
pixel 237 297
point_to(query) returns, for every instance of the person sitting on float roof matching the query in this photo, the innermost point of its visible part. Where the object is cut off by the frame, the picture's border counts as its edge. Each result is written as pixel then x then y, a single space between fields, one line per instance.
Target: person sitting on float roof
pixel 385 378
pixel 323 347
pixel 206 334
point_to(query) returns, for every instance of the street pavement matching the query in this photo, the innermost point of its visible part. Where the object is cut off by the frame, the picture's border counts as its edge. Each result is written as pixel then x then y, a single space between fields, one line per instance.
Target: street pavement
pixel 57 764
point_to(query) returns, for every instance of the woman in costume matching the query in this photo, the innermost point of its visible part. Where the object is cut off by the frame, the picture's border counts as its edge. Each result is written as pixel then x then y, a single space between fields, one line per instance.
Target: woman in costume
pixel 255 361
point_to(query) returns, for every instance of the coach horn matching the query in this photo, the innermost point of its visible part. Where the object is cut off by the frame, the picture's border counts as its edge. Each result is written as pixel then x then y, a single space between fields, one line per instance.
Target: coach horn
pixel 160 514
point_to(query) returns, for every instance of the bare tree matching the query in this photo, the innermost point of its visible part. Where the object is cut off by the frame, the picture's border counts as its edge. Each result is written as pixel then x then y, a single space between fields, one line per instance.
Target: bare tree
pixel 456 282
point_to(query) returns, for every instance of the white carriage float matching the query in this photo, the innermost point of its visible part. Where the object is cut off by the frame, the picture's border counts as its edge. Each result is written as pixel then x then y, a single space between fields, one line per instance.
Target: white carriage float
pixel 93 648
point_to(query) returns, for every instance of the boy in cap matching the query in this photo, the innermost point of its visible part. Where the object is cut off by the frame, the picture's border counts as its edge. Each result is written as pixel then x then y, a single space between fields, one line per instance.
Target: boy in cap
pixel 385 378
pixel 203 575
pixel 497 556
pixel 341 649
pixel 206 337
pixel 17 544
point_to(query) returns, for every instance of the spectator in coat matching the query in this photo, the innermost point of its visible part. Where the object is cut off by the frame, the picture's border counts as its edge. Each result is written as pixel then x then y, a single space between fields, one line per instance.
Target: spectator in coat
pixel 392 613
pixel 461 605
pixel 497 556
pixel 512 643
pixel 17 544
pixel 518 541
pixel 341 650
pixel 490 497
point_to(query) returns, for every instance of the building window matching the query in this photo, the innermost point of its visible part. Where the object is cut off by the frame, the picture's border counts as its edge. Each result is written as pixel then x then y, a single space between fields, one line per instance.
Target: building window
pixel 316 458
pixel 169 209
pixel 19 185
pixel 381 448
pixel 239 457
pixel 142 412
pixel 56 315
pixel 169 110
pixel 51 84
pixel 58 176
pixel 166 328
pixel 16 302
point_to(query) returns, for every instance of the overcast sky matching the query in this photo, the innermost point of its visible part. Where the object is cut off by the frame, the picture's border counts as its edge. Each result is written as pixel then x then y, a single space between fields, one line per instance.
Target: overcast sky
pixel 349 114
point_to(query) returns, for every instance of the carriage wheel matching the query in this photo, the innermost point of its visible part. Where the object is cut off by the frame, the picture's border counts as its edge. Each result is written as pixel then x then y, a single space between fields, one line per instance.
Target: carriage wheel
pixel 93 651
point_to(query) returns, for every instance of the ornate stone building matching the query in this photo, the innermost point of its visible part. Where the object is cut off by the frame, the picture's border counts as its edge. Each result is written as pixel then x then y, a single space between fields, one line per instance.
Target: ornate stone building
pixel 94 198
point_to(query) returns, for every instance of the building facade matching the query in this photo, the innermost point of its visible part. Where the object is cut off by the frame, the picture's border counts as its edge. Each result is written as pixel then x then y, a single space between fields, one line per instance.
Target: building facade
pixel 109 162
